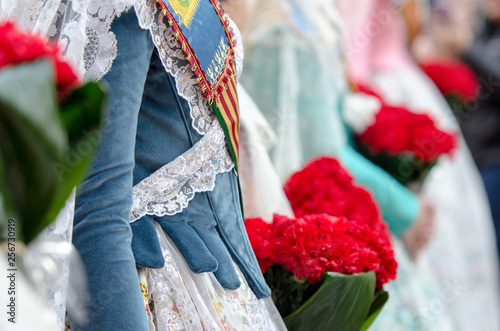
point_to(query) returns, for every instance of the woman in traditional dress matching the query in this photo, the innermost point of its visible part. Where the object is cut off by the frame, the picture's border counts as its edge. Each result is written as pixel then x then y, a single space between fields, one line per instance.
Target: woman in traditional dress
pixel 462 255
pixel 296 74
pixel 296 78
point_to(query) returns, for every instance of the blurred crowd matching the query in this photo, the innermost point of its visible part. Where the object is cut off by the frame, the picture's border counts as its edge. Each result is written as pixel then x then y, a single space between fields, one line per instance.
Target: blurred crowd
pixel 305 62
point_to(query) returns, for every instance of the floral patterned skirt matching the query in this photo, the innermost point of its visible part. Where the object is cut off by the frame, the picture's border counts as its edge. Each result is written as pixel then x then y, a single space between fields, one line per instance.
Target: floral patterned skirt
pixel 178 299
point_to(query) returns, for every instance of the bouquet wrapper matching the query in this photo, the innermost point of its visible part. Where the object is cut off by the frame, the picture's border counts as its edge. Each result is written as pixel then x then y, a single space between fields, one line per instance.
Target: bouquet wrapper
pixel 405 167
pixel 336 302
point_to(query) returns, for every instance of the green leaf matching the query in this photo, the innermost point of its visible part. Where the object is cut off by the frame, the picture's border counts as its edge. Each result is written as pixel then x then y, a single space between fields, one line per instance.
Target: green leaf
pixel 342 303
pixel 81 115
pixel 81 111
pixel 43 153
pixel 458 105
pixel 405 167
pixel 378 303
pixel 31 136
pixel 288 292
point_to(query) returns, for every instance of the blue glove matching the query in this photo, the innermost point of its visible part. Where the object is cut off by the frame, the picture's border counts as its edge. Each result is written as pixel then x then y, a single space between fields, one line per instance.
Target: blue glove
pixel 197 240
pixel 209 233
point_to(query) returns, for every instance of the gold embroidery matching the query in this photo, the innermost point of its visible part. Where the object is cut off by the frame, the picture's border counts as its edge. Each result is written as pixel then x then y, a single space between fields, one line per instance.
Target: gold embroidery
pixel 186 9
pixel 215 69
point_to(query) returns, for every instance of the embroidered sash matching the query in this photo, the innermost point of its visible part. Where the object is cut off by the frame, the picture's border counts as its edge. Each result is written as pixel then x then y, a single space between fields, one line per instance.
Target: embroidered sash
pixel 208 41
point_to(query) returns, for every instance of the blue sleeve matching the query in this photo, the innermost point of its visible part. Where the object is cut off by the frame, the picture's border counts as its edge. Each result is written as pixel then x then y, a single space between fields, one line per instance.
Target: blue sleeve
pixel 400 206
pixel 102 233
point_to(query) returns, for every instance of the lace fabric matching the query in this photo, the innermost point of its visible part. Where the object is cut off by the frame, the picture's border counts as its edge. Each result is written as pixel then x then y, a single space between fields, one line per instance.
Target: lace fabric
pixel 169 190
pixel 178 299
pixel 81 26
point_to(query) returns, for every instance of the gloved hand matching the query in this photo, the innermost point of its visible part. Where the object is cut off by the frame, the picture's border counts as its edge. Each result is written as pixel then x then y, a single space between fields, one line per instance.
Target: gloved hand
pixel 197 240
pixel 200 244
pixel 209 233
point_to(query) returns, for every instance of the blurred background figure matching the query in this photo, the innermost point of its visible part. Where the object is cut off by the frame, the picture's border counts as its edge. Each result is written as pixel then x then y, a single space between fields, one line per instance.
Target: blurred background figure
pixel 296 72
pixel 481 120
pixel 468 29
pixel 448 29
pixel 380 34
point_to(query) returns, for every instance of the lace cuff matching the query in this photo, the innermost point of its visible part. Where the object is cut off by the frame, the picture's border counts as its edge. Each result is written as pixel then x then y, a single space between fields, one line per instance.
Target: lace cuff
pixel 169 189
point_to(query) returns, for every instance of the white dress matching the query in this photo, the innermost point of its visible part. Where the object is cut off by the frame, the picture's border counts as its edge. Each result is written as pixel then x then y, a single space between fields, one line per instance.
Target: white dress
pixel 462 255
pixel 261 187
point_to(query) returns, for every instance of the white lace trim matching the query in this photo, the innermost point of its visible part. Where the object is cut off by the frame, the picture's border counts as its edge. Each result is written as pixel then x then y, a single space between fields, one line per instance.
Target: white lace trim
pixel 175 63
pixel 82 26
pixel 169 189
pixel 100 47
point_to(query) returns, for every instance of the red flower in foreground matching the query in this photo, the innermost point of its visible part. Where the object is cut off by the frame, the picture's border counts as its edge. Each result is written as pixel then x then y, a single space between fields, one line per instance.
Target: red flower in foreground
pixel 324 186
pixel 452 77
pixel 17 46
pixel 315 244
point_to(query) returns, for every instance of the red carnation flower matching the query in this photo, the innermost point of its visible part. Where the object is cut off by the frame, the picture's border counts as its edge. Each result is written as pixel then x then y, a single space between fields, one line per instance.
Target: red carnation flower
pixel 315 244
pixel 261 237
pixel 452 77
pixel 17 46
pixel 397 130
pixel 324 186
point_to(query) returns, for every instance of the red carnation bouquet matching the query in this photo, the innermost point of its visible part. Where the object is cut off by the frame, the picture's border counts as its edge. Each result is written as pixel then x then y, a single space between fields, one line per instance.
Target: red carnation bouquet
pixel 48 118
pixel 327 267
pixel 18 46
pixel 325 272
pixel 405 144
pixel 456 81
